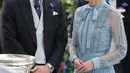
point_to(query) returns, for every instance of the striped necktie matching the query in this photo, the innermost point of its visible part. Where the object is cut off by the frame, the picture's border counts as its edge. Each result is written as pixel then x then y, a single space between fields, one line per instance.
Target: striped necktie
pixel 37 7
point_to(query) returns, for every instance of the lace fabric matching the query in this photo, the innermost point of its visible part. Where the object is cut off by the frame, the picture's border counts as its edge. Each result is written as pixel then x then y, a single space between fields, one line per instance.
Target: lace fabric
pixel 118 47
pixel 118 44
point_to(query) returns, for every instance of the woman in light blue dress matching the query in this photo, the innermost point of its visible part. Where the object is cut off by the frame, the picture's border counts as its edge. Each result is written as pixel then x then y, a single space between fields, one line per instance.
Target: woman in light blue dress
pixel 98 39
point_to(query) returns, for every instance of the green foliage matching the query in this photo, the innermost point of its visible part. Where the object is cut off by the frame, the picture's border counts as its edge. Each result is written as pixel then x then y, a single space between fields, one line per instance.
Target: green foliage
pixel 69 6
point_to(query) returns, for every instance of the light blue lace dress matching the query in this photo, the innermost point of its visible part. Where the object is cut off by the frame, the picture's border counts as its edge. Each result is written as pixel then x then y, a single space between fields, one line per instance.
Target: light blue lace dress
pixel 98 35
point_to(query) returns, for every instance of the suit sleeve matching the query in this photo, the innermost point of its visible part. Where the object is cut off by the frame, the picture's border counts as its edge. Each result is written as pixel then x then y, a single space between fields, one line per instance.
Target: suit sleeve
pixel 61 40
pixel 9 31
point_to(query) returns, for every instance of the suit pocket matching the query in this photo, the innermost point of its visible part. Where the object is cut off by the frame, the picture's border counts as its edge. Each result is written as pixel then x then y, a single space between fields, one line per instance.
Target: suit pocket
pixel 55 20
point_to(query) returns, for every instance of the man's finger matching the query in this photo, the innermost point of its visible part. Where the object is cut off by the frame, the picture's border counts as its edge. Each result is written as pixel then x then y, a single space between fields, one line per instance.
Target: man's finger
pixel 34 69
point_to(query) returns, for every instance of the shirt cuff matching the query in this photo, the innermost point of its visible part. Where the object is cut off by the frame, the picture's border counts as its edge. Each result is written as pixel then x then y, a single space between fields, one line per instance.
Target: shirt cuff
pixel 96 63
pixel 72 58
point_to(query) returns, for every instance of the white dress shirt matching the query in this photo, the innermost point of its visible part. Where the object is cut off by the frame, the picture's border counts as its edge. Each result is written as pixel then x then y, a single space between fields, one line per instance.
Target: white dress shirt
pixel 40 53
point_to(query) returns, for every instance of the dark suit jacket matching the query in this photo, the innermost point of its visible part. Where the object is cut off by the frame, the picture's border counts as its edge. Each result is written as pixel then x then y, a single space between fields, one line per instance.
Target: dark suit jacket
pixel 80 3
pixel 19 33
pixel 127 13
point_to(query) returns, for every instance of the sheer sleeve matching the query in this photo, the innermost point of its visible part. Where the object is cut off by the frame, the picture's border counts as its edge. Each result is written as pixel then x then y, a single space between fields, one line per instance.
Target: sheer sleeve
pixel 118 47
pixel 73 44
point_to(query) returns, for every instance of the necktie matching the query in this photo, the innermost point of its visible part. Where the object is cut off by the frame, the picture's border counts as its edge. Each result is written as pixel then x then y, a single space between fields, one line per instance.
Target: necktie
pixel 37 7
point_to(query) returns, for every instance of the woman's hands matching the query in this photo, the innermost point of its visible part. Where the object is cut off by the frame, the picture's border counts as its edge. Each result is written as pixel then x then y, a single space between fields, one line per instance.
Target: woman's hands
pixel 83 67
pixel 77 63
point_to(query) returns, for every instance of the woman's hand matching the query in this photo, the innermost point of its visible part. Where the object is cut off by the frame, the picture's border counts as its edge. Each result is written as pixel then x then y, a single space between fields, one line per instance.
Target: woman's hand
pixel 77 64
pixel 87 66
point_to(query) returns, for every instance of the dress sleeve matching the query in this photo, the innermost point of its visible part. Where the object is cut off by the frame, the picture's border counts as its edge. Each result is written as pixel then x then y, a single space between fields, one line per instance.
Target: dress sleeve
pixel 73 44
pixel 118 47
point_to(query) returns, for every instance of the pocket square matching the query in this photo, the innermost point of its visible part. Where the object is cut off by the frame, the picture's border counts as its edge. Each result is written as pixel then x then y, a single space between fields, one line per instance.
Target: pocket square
pixel 55 13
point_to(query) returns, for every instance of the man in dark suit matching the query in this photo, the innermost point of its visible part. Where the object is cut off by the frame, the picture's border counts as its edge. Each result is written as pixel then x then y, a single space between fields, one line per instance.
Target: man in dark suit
pixel 126 5
pixel 25 22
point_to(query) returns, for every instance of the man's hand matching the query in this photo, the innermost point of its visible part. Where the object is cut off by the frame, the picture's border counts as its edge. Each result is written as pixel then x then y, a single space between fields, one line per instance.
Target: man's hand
pixel 87 66
pixel 77 64
pixel 40 69
pixel 121 10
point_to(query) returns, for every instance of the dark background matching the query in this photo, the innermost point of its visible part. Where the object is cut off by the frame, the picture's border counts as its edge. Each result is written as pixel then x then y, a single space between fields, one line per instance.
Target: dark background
pixel 0 3
pixel 0 23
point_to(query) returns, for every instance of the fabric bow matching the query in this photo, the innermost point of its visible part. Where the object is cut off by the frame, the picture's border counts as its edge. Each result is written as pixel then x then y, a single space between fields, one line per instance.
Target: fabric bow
pixel 90 9
pixel 86 27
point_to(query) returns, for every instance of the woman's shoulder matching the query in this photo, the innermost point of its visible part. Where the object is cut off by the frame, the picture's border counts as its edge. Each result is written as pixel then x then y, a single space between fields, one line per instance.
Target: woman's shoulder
pixel 113 12
pixel 112 9
pixel 79 9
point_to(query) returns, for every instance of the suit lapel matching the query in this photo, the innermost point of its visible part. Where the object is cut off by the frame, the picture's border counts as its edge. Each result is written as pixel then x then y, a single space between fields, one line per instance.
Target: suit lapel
pixel 48 15
pixel 27 13
pixel 47 19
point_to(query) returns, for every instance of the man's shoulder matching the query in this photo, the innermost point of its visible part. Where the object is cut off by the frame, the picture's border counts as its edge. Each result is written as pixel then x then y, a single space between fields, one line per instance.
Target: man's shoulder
pixel 12 2
pixel 57 1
